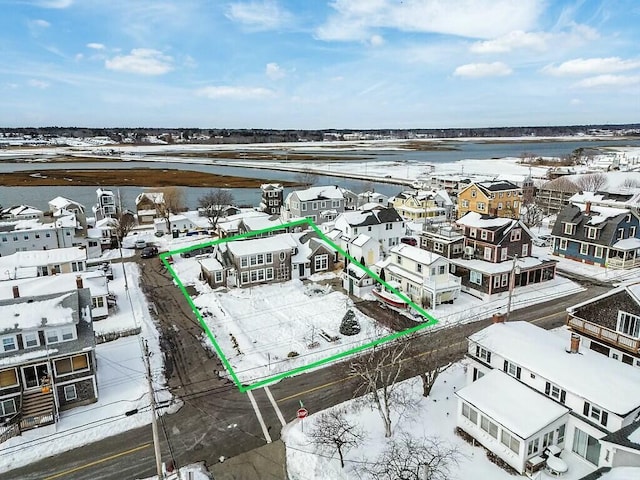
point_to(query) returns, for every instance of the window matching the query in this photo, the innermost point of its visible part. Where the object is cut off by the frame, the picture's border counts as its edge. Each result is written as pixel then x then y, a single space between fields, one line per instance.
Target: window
pixel 500 206
pixel 321 262
pixel 503 254
pixel 473 193
pixel 628 324
pixel 438 247
pixel 481 205
pixel 418 267
pixel 9 344
pixel 304 207
pixel 30 339
pixel 563 244
pixel 525 249
pixel 584 249
pixel 560 432
pixel 473 233
pixel 533 447
pixel 388 226
pixel 555 392
pixel 620 233
pixel 282 256
pixel 515 204
pixel 465 203
pixel 595 413
pixel 489 427
pixel 547 439
pixel 77 363
pixel 510 441
pixel 591 232
pixel 218 277
pixel 512 369
pixel 516 234
pixel 483 234
pixel 70 392
pixel 568 229
pixel 632 232
pixel 68 333
pixel 598 252
pixel 253 260
pixel 269 273
pixel 8 378
pixel 475 277
pixel 7 407
pixel 586 446
pixel 483 354
pixel 314 206
pixel 441 270
pixel 505 279
pixel 244 278
pixel 76 266
pixel 269 258
pixel 469 413
pixel 496 281
pixel 244 262
pixel 97 302
pixel 260 259
pixel 487 253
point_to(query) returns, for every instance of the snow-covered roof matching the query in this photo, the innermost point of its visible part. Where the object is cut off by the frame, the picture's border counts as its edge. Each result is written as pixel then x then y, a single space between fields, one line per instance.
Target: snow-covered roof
pixel 155 197
pixel 35 258
pixel 23 210
pixel 96 281
pixel 322 192
pixel 603 381
pixel 60 203
pixel 490 268
pixel 627 244
pixel 476 220
pixel 25 224
pixel 416 254
pixel 600 214
pixel 259 223
pixel 232 222
pixel 210 264
pixel 360 240
pixel 622 473
pixel 516 407
pixel 271 186
pixel 253 246
pixel 37 313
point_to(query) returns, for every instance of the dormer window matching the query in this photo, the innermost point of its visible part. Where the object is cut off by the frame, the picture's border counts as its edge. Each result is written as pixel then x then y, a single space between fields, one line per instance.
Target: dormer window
pixel 568 229
pixel 592 232
pixel 516 234
pixel 483 234
pixel 473 233
pixel 628 324
pixel 9 343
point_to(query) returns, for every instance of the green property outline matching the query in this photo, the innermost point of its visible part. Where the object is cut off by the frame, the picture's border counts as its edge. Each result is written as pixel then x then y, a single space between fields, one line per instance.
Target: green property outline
pixel 306 221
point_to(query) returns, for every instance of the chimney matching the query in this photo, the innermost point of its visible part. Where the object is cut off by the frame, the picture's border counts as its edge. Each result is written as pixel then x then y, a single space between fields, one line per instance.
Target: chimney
pixel 587 208
pixel 16 291
pixel 575 343
pixel 79 282
pixel 497 318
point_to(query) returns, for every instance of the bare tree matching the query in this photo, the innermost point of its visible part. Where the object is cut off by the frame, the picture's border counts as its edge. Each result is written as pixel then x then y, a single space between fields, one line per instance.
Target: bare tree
pixel 434 361
pixel 125 223
pixel 630 182
pixel 531 214
pixel 379 371
pixel 409 458
pixel 592 182
pixel 213 202
pixel 306 178
pixel 172 203
pixel 334 432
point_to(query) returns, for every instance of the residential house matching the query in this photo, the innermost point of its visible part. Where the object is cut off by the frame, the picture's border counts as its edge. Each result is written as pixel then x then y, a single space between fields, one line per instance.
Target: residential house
pixel 40 263
pixel 499 198
pixel 106 206
pixel 47 359
pixel 621 197
pixel 422 276
pixel 610 323
pixel 554 195
pixel 597 235
pixel 591 396
pixel 272 198
pixel 177 224
pixel 229 226
pixel 213 272
pixel 382 224
pixel 147 204
pixel 422 206
pixel 497 256
pixel 21 212
pixel 320 204
pixel 369 199
pixel 255 224
pixel 61 206
pixel 356 281
pixel 443 239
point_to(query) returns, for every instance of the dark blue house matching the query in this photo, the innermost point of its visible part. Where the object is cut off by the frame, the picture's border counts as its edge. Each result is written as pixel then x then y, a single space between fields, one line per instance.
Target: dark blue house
pixel 597 235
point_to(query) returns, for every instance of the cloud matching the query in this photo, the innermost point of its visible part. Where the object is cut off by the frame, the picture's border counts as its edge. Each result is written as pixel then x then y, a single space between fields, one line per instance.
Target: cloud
pixel 592 66
pixel 54 3
pixel 539 41
pixel 39 23
pixel 38 83
pixel 354 20
pixel 96 46
pixel 274 72
pixel 608 81
pixel 143 61
pixel 376 41
pixel 575 101
pixel 259 15
pixel 237 93
pixel 495 69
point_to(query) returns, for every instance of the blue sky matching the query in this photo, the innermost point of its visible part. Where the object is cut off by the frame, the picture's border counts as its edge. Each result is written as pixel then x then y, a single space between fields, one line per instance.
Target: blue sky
pixel 316 64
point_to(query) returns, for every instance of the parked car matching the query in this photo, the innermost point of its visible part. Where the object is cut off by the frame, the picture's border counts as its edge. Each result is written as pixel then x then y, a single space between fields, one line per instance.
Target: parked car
pixel 541 240
pixel 149 252
pixel 140 244
pixel 409 241
pixel 197 251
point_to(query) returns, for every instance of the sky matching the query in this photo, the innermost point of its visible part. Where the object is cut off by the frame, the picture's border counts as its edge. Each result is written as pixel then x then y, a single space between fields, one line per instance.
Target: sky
pixel 313 64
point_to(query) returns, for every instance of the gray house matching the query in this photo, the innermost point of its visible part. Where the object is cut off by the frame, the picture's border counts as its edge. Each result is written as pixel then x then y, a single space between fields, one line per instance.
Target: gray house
pixel 320 204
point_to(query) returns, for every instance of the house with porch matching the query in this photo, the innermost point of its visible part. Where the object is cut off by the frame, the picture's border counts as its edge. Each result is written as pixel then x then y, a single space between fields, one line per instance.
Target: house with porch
pixel 320 204
pixel 147 206
pixel 444 239
pixel 499 198
pixel 610 323
pixel 597 235
pixel 40 263
pixel 47 359
pixel 422 206
pixel 535 397
pixel 384 225
pixel 497 254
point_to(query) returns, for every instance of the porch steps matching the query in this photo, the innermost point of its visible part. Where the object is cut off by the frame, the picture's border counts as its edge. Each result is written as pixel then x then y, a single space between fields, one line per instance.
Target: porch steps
pixel 37 409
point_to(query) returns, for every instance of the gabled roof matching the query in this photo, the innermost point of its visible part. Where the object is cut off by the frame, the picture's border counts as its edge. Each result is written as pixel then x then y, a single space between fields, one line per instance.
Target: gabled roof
pixel 28 313
pixel 416 254
pixel 363 218
pixel 485 222
pixel 327 192
pixel 603 381
pixel 35 258
pixel 95 280
pixel 62 203
pixel 606 219
pixel 496 186
pixel 628 436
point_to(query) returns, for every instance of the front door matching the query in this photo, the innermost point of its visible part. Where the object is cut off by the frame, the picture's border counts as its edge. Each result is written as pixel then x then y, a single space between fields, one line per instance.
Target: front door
pixel 34 376
pixel 301 271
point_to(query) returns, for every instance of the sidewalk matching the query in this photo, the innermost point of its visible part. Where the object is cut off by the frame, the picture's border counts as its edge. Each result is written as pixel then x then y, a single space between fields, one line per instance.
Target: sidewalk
pixel 263 463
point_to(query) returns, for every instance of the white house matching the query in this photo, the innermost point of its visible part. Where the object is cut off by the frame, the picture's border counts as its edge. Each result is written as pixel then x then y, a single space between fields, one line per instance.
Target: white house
pixel 423 276
pixel 382 224
pixel 320 204
pixel 602 395
pixel 106 204
pixel 40 263
pixel 22 212
pixel 61 206
pixel 177 223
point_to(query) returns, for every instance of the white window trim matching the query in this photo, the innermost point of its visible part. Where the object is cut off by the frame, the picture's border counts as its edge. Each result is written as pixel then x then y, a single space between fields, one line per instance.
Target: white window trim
pixel 72 372
pixel 75 393
pixel 319 261
pixel 15 343
pixel 24 340
pixel 633 324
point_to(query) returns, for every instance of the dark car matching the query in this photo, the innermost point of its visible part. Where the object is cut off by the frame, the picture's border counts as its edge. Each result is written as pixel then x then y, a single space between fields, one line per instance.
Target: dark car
pixel 409 241
pixel 197 251
pixel 149 252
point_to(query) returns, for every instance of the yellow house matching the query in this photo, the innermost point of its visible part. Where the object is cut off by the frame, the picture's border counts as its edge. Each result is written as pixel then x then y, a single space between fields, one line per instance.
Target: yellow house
pixel 498 198
pixel 418 206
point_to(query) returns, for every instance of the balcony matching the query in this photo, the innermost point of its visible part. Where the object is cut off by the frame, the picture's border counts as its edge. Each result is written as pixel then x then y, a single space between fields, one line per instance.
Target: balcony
pixel 622 263
pixel 611 337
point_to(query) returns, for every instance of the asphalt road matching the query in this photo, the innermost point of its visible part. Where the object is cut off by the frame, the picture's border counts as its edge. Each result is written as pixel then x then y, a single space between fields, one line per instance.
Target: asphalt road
pixel 217 420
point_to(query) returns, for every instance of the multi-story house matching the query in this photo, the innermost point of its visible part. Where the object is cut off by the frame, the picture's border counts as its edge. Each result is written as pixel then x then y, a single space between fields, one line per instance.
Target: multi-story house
pixel 47 359
pixel 422 276
pixel 147 204
pixel 369 199
pixel 610 323
pixel 272 198
pixel 106 206
pixel 382 224
pixel 443 239
pixel 597 235
pixel 40 263
pixel 497 256
pixel 498 198
pixel 61 206
pixel 22 212
pixel 535 396
pixel 554 195
pixel 320 204
pixel 422 206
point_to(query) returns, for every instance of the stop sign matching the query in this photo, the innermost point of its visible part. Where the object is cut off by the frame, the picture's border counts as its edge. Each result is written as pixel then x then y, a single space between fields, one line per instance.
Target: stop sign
pixel 302 413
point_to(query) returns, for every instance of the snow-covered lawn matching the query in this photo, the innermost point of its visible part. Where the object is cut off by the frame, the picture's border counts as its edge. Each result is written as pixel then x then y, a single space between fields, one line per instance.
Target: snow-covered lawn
pixel 196 471
pixel 434 416
pixel 122 385
pixel 258 328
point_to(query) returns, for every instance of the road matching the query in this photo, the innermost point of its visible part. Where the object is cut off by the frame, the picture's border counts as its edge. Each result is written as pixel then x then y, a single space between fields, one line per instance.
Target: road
pixel 217 420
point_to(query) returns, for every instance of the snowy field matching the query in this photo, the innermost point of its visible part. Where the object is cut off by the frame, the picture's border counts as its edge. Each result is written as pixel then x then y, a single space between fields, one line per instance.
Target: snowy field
pixel 434 416
pixel 258 328
pixel 122 384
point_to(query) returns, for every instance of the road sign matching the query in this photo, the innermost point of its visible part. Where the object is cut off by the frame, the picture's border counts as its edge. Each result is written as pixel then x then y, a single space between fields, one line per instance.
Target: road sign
pixel 302 413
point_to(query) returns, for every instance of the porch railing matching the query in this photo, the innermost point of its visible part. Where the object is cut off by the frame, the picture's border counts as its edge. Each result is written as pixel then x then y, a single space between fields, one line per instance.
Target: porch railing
pixel 610 336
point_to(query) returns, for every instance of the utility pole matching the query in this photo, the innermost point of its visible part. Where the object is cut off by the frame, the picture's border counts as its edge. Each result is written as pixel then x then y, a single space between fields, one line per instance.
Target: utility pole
pixel 154 419
pixel 512 281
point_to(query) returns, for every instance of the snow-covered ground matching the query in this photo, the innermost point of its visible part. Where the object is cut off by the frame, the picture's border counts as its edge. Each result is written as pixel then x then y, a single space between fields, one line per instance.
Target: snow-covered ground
pixel 121 384
pixel 434 416
pixel 196 471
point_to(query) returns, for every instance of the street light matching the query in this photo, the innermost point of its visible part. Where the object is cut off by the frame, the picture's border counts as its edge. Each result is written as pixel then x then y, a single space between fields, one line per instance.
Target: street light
pixel 512 280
